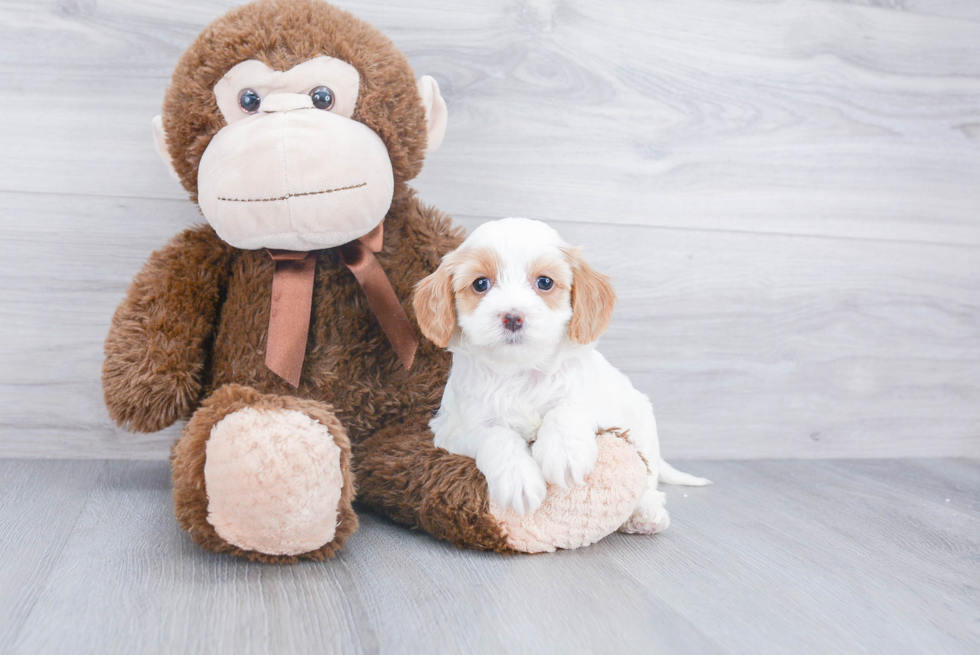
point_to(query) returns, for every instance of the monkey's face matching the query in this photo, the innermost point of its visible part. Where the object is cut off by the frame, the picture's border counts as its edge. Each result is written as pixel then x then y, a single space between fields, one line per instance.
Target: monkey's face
pixel 293 158
pixel 291 169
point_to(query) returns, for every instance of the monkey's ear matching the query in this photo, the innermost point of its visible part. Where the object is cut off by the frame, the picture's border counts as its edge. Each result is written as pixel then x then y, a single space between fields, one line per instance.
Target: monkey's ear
pixel 436 115
pixel 160 141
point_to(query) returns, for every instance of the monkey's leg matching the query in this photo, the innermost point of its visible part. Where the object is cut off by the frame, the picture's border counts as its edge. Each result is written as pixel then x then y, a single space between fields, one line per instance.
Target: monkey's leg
pixel 401 474
pixel 264 476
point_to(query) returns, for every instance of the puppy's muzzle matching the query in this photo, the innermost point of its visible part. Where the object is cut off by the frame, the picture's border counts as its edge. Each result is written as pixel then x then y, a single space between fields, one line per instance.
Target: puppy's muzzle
pixel 512 320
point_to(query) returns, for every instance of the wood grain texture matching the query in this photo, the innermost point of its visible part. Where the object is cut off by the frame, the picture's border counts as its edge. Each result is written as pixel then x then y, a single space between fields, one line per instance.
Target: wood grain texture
pixel 799 117
pixel 39 508
pixel 777 557
pixel 131 582
pixel 786 192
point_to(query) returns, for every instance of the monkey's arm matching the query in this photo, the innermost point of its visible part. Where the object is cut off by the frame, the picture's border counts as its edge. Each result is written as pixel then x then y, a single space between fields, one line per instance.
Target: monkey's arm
pixel 157 350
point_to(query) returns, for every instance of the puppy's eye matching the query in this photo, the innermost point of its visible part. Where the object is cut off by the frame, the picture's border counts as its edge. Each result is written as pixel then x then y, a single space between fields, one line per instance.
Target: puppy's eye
pixel 545 283
pixel 249 101
pixel 481 284
pixel 322 97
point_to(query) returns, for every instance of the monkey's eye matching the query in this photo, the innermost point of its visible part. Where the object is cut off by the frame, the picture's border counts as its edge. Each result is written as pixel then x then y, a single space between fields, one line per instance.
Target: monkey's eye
pixel 545 283
pixel 249 101
pixel 322 97
pixel 481 284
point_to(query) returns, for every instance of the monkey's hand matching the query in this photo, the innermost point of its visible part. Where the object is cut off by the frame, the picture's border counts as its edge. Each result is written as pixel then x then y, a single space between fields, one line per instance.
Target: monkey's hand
pixel 156 350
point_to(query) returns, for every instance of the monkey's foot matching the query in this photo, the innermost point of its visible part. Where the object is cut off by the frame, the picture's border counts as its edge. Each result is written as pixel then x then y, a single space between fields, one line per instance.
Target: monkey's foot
pixel 275 476
pixel 273 480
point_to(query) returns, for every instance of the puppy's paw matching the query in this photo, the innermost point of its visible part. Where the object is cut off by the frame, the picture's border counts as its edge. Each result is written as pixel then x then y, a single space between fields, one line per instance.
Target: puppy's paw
pixel 565 458
pixel 648 523
pixel 517 483
pixel 650 516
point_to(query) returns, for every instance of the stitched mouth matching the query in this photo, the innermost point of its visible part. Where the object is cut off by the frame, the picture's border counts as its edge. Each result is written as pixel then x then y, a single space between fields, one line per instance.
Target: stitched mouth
pixel 294 195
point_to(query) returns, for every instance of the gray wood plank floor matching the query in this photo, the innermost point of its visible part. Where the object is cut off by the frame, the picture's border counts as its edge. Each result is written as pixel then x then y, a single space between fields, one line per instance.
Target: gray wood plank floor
pixel 844 556
pixel 786 193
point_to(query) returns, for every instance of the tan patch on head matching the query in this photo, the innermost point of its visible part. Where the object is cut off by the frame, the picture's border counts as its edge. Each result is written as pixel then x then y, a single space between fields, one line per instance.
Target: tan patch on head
pixel 593 300
pixel 450 288
pixel 470 265
pixel 560 271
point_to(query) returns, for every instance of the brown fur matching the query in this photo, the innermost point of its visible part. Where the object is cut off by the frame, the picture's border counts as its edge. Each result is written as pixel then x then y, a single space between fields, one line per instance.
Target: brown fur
pixel 189 338
pixel 471 265
pixel 560 273
pixel 467 300
pixel 593 300
pixel 157 351
pixel 415 483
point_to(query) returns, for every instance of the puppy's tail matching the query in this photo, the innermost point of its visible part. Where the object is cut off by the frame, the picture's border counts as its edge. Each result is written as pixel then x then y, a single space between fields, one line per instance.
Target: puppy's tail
pixel 669 475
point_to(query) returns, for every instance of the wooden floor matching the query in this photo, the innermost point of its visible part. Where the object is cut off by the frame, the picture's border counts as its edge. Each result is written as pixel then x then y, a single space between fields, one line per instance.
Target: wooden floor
pixel 844 556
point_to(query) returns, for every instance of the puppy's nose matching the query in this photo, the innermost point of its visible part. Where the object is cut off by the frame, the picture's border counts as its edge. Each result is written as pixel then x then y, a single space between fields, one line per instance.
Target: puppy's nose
pixel 513 320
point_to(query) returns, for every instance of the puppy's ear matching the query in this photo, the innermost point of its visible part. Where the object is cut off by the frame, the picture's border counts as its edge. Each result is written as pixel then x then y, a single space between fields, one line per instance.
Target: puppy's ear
pixel 435 305
pixel 593 299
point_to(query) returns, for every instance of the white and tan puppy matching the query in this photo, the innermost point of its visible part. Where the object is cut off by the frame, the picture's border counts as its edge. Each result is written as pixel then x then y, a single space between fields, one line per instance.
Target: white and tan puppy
pixel 521 310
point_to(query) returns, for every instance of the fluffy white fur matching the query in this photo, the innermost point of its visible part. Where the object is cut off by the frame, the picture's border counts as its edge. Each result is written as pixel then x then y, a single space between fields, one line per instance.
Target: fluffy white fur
pixel 526 403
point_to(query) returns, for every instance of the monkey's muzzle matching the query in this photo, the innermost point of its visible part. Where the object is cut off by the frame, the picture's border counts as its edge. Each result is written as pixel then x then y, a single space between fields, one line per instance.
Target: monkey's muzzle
pixel 294 179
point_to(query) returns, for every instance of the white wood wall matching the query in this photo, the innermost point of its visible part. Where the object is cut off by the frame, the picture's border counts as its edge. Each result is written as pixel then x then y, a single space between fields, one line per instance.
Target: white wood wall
pixel 787 193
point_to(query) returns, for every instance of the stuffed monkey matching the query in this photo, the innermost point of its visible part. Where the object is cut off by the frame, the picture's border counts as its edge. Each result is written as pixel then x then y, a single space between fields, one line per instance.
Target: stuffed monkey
pixel 283 330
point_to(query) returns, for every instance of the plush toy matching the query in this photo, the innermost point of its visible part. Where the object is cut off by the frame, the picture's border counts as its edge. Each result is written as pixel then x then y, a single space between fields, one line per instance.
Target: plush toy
pixel 283 329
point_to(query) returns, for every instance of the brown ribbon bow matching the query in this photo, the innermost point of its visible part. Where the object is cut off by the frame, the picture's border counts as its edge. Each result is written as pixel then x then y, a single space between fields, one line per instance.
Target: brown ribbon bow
pixel 292 302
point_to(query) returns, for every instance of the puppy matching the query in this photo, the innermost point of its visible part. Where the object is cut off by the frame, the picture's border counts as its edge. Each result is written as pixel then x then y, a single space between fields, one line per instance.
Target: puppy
pixel 521 310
